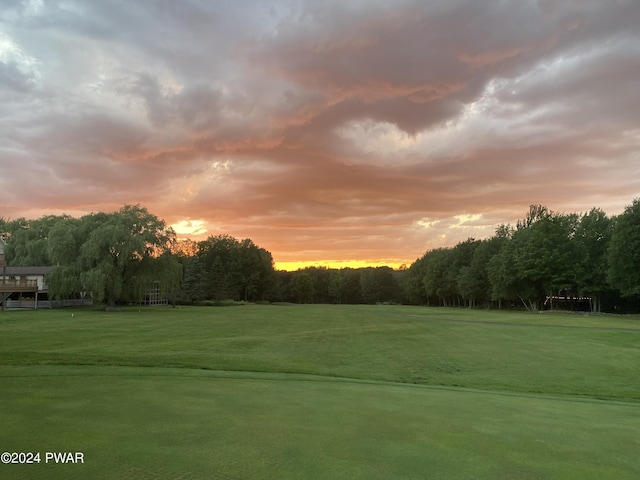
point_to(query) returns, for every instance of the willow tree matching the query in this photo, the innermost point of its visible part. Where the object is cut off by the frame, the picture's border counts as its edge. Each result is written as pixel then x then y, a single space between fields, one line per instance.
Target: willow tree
pixel 28 239
pixel 114 257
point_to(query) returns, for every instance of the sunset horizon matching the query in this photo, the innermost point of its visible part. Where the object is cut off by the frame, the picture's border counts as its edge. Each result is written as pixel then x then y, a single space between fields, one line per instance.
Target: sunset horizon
pixel 196 231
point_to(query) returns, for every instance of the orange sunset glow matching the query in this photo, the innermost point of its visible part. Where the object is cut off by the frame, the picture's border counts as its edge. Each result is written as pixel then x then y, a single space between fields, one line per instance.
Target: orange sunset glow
pixel 330 133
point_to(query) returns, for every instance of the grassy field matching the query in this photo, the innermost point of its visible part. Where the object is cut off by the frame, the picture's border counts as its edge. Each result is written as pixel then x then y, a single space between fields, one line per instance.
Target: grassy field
pixel 344 392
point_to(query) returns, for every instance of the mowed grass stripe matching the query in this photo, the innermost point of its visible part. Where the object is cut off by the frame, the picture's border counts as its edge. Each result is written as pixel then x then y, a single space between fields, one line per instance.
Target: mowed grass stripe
pixel 90 371
pixel 632 325
pixel 198 425
pixel 341 341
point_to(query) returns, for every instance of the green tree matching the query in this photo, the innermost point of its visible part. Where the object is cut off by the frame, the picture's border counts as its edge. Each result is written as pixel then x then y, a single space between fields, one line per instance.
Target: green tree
pixel 379 285
pixel 502 275
pixel 29 240
pixel 114 256
pixel 194 287
pixel 303 287
pixel 592 241
pixel 460 274
pixel 544 255
pixel 283 287
pixel 220 258
pixel 413 286
pixel 321 277
pixel 256 271
pixel 240 269
pixel 352 287
pixel 438 281
pixel 473 280
pixel 218 283
pixel 336 286
pixel 624 251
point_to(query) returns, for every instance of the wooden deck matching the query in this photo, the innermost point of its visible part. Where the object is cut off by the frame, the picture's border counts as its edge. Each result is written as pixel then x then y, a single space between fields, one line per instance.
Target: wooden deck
pixel 21 285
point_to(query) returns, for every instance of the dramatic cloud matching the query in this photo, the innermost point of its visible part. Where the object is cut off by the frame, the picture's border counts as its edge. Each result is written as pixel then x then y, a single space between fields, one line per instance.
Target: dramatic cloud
pixel 325 131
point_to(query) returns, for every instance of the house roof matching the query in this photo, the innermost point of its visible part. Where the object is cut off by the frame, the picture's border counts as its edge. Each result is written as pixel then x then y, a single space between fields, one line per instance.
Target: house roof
pixel 27 270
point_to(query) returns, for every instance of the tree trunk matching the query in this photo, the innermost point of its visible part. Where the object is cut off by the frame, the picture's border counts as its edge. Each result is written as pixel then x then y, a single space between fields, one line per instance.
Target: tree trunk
pixel 523 302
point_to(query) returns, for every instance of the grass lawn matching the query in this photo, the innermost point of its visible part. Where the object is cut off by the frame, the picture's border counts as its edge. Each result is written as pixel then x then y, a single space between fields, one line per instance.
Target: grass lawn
pixel 321 392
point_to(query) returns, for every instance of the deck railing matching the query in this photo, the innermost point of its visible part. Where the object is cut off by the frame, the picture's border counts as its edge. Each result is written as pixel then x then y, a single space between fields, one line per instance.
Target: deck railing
pixel 18 283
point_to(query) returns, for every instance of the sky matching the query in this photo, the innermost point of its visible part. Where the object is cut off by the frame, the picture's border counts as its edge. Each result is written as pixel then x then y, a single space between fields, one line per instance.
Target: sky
pixel 331 133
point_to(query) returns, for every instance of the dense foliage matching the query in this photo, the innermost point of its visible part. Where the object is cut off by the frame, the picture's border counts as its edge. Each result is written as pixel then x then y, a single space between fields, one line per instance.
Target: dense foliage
pixel 111 257
pixel 222 267
pixel 118 257
pixel 347 285
pixel 579 260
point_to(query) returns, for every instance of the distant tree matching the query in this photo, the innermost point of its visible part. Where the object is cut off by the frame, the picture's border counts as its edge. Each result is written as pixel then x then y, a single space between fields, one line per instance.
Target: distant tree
pixel 185 247
pixel 438 281
pixel 219 256
pixel 504 232
pixel 194 287
pixel 29 240
pixel 379 285
pixel 534 215
pixel 336 286
pixel 412 285
pixel 241 269
pixel 400 275
pixel 114 256
pixel 304 288
pixel 543 255
pixel 321 277
pixel 473 280
pixel 218 281
pixel 624 251
pixel 283 287
pixel 352 287
pixel 256 270
pixel 502 275
pixel 592 242
pixel 460 272
pixel 470 285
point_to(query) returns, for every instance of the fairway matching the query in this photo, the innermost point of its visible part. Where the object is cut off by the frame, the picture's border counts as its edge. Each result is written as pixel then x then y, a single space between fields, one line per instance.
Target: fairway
pixel 283 391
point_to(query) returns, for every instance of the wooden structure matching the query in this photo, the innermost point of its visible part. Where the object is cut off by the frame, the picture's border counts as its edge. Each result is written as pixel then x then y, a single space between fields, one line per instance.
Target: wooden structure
pixel 567 302
pixel 154 296
pixel 21 287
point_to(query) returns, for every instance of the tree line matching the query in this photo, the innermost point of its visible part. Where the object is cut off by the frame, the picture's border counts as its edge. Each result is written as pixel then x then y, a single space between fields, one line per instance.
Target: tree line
pixel 547 255
pixel 116 257
pixel 347 285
